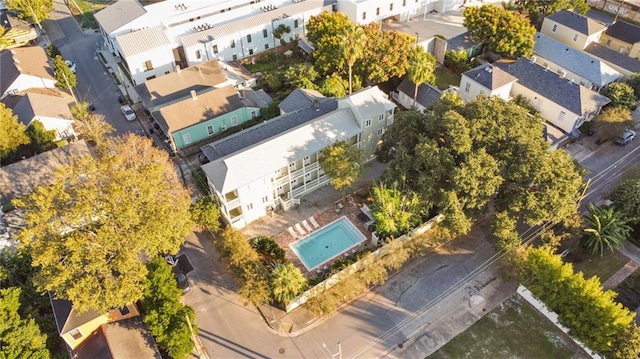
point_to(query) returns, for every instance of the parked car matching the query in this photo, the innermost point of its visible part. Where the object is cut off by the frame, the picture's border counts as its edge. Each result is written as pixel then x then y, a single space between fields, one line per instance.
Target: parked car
pixel 128 112
pixel 626 137
pixel 72 65
pixel 184 282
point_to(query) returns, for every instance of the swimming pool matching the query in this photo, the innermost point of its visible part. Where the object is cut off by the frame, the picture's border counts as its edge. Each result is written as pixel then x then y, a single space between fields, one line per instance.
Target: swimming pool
pixel 327 243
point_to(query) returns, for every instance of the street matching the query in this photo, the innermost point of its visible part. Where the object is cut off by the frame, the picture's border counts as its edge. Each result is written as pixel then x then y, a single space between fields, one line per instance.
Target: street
pixel 95 85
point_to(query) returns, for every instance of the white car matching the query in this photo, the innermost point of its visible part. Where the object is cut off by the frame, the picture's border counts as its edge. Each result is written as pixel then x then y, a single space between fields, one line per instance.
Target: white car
pixel 72 65
pixel 128 113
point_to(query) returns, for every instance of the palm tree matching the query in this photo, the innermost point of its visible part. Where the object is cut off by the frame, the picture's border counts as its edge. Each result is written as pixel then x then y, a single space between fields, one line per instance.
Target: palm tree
pixel 352 44
pixel 605 228
pixel 421 69
pixel 287 281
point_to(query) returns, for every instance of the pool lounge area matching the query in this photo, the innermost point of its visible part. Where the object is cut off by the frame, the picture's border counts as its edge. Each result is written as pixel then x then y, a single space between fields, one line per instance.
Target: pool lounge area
pixel 327 243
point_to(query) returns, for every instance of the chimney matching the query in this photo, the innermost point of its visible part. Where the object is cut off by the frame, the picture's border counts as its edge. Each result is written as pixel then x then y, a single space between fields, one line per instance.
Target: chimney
pixel 193 95
pixel 178 68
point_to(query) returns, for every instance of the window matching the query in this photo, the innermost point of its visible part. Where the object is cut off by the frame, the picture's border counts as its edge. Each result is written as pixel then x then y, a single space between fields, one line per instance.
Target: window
pixel 76 334
pixel 334 7
pixel 367 123
pixel 147 65
pixel 575 37
pixel 186 138
pixel 215 49
pixel 151 77
pixel 404 2
pixel 296 23
pixel 198 55
pixel 554 28
pixel 306 158
pixel 234 120
pixel 467 87
pixel 210 130
pixel 379 132
pixel 265 199
pixel 307 175
pixel 265 33
pixel 391 7
pixel 381 117
pixel 254 114
pixel 292 164
pixel 234 57
pixel 266 46
pixel 249 38
pixel 561 116
pixel 223 128
pixel 233 44
pixel 250 51
pixel 294 182
pixel 377 11
pixel 364 15
pixel 608 42
pixel 249 206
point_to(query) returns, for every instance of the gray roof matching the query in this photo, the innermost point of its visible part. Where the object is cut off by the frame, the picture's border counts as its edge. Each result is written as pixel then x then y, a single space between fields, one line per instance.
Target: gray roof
pixel 24 176
pixel 427 94
pixel 575 98
pixel 119 14
pixel 574 60
pixel 299 99
pixel 613 57
pixel 35 104
pixel 461 42
pixel 177 86
pixel 141 41
pixel 624 31
pixel 252 98
pixel 489 76
pixel 577 22
pixel 266 130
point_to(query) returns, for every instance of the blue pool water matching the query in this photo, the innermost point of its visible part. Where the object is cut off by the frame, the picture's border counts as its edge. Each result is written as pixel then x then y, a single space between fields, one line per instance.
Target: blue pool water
pixel 327 243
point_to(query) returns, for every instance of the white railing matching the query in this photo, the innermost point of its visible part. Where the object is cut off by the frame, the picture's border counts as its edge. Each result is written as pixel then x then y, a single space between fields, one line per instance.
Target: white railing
pixel 233 203
pixel 296 191
pixel 311 166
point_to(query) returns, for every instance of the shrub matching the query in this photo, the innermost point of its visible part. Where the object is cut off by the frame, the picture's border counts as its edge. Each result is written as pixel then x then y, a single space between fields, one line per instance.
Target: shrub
pixel 205 212
pixel 269 249
pixel 621 94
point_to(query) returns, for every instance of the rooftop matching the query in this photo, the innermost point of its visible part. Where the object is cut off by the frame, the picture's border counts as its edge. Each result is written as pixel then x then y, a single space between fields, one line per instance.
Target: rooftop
pixel 299 99
pixel 35 104
pixel 141 41
pixel 575 98
pixel 489 76
pixel 613 57
pixel 577 22
pixel 125 339
pixel 624 31
pixel 427 94
pixel 119 14
pixel 30 60
pixel 578 62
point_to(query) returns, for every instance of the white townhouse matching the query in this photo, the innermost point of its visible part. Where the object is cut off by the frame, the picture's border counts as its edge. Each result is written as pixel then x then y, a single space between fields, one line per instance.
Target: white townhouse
pixel 154 40
pixel 273 164
pixel 364 12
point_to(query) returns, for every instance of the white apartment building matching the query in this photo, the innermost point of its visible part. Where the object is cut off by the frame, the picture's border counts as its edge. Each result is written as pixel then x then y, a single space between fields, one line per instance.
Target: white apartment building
pixel 153 40
pixel 273 164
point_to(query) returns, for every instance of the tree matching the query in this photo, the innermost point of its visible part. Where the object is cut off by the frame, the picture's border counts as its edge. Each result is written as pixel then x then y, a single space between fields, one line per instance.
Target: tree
pixel 280 31
pixel 612 121
pixel 95 129
pixel 205 212
pixel 335 86
pixel 386 54
pixel 352 43
pixel 605 229
pixel 287 281
pixel 620 94
pixel 421 69
pixel 326 31
pixel 341 162
pixel 394 212
pixel 4 41
pixel 40 137
pixel 19 338
pixel 634 82
pixel 165 315
pixel 302 76
pixel 626 199
pixel 89 230
pixel 327 24
pixel 500 30
pixel 13 132
pixel 64 77
pixel 538 9
pixel 457 61
pixel 32 10
pixel 80 110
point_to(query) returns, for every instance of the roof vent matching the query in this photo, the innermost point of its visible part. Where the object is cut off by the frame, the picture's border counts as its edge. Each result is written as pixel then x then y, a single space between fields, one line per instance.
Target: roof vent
pixel 316 105
pixel 533 59
pixel 193 95
pixel 563 73
pixel 488 69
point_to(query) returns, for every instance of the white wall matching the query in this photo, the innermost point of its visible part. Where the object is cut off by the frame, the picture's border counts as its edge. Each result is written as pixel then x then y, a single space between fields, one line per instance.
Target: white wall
pixel 24 82
pixel 161 59
pixel 549 110
pixel 63 127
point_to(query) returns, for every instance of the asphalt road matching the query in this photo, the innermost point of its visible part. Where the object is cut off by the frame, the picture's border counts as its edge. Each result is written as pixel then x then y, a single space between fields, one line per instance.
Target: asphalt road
pixel 95 85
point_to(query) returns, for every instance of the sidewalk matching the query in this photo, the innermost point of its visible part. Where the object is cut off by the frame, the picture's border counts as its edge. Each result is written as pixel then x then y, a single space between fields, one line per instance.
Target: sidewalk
pixel 122 81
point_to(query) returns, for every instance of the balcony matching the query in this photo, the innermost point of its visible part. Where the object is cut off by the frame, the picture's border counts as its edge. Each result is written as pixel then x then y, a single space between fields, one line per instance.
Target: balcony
pixel 311 166
pixel 323 179
pixel 233 203
pixel 297 191
pixel 297 173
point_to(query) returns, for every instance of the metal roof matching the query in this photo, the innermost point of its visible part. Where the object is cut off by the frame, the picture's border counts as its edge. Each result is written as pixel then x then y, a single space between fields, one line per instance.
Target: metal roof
pixel 575 61
pixel 576 22
pixel 143 40
pixel 119 14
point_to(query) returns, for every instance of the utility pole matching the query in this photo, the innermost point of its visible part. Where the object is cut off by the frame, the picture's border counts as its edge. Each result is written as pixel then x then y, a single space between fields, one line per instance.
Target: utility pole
pixel 35 17
pixel 618 11
pixel 75 100
pixel 199 352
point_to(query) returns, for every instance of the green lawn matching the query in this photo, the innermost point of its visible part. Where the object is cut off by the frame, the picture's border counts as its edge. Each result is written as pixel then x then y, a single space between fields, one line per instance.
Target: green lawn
pixel 274 61
pixel 83 12
pixel 514 329
pixel 590 265
pixel 446 78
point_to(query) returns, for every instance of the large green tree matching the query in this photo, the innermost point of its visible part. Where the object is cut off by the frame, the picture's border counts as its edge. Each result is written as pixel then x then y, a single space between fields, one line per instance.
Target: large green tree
pixel 612 121
pixel 19 337
pixel 13 132
pixel 343 163
pixel 32 10
pixel 64 77
pixel 287 281
pixel 90 232
pixel 165 316
pixel 205 212
pixel 634 82
pixel 620 94
pixel 352 43
pixel 39 137
pixel 605 229
pixel 302 76
pixel 395 213
pixel 386 54
pixel 421 69
pixel 626 199
pixel 500 30
pixel 95 129
pixel 538 9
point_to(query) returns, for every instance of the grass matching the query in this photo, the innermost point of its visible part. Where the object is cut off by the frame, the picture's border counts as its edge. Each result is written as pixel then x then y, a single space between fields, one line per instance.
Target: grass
pixel 590 265
pixel 83 11
pixel 445 78
pixel 514 329
pixel 269 61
